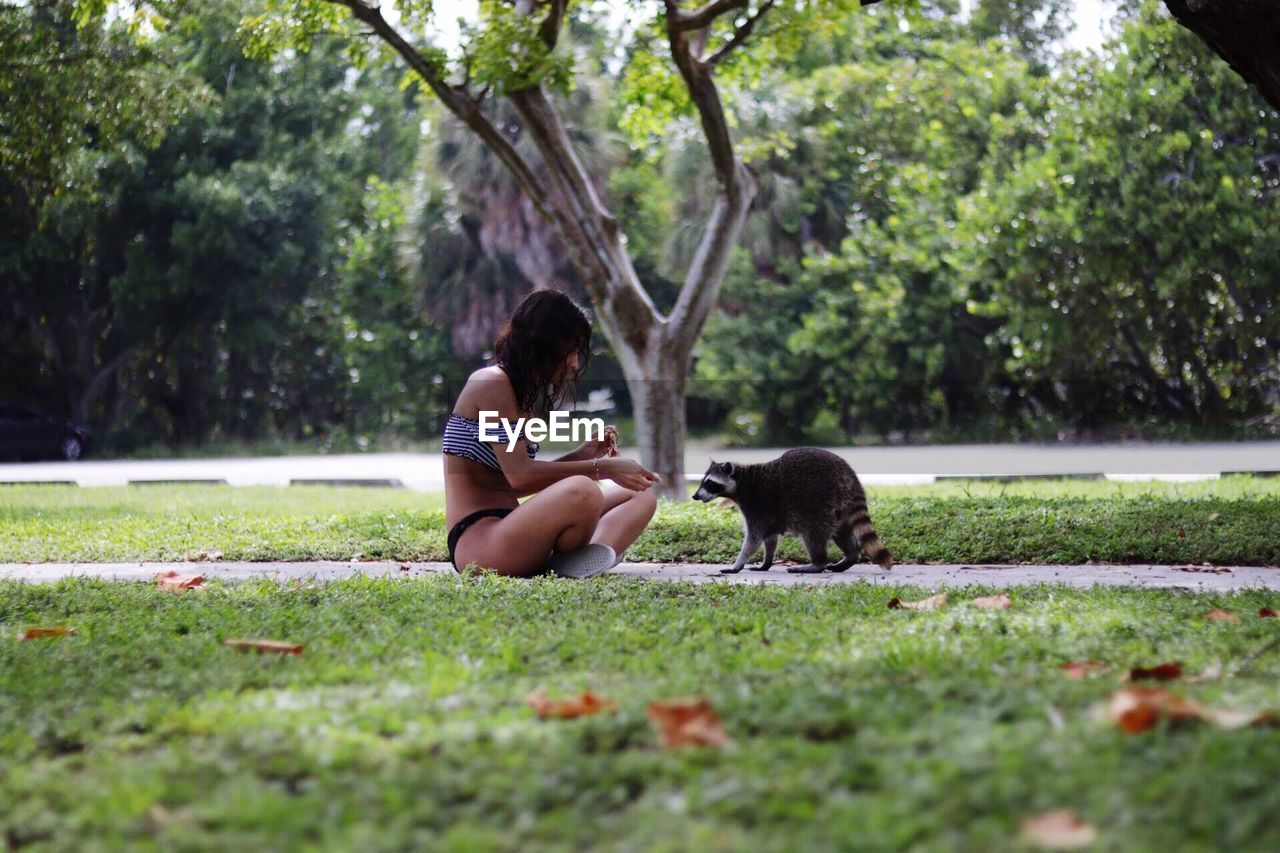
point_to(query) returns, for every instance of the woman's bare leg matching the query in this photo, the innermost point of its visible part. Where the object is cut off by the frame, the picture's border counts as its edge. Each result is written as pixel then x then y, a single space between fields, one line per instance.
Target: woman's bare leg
pixel 562 517
pixel 624 517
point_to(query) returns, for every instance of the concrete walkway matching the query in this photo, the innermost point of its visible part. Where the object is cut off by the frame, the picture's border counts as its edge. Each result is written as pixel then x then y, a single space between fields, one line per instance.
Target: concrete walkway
pixel 881 466
pixel 1198 578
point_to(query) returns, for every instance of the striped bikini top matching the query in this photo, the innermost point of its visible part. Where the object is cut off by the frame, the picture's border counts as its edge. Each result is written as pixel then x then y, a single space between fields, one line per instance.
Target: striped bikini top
pixel 462 438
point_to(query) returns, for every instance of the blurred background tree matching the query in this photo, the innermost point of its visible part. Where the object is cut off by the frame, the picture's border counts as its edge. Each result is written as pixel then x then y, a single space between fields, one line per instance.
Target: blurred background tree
pixel 962 230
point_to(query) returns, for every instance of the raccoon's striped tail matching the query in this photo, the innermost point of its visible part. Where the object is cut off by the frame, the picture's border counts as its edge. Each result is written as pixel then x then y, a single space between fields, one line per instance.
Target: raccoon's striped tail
pixel 868 541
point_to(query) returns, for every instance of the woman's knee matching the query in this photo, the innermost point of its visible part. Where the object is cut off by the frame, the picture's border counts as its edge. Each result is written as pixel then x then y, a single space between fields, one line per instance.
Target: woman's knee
pixel 647 499
pixel 583 492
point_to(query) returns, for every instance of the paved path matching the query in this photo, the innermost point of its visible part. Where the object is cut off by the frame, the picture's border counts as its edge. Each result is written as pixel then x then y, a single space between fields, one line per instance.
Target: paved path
pixel 875 465
pixel 1191 578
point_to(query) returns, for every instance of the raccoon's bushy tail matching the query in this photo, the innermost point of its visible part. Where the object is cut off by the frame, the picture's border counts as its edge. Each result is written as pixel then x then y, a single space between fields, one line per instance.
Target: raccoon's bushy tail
pixel 865 533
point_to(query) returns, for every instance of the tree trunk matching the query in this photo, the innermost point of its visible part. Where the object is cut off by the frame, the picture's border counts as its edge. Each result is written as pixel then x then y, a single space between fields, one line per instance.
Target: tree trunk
pixel 657 396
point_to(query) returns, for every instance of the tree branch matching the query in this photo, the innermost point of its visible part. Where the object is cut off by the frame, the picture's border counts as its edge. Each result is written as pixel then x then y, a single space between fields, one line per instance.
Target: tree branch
pixel 701 17
pixel 610 278
pixel 702 280
pixel 740 35
pixel 550 29
pixel 458 102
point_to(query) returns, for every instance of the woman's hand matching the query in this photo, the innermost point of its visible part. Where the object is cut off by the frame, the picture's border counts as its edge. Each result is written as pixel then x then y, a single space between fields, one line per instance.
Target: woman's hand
pixel 629 474
pixel 607 446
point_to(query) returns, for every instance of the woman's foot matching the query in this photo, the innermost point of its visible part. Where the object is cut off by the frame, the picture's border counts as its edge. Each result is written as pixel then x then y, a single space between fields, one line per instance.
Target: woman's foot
pixel 585 562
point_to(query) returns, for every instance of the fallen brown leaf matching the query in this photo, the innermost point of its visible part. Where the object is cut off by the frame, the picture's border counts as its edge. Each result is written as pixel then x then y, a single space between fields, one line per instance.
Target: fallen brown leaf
pixel 1267 613
pixel 202 556
pixel 1060 829
pixel 993 602
pixel 1213 516
pixel 1159 672
pixel 566 709
pixel 43 633
pixel 686 722
pixel 175 582
pixel 1079 669
pixel 404 567
pixel 1221 616
pixel 278 647
pixel 1213 570
pixel 933 602
pixel 1138 709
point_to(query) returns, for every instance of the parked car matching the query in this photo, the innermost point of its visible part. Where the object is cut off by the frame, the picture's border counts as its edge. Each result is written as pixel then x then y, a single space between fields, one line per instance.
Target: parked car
pixel 27 434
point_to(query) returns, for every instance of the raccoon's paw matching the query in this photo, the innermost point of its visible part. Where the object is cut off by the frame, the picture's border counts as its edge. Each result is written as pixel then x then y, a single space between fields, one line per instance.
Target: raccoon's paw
pixel 732 570
pixel 806 570
pixel 757 568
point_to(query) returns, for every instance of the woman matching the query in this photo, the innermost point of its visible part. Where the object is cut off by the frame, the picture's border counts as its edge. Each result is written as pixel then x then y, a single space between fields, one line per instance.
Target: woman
pixel 569 526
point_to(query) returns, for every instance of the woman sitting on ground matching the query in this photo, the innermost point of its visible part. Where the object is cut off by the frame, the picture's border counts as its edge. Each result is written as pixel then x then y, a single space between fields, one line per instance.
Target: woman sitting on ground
pixel 569 526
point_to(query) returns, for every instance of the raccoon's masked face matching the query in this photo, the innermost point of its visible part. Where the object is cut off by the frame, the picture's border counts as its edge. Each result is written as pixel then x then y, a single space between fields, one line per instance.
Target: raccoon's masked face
pixel 716 483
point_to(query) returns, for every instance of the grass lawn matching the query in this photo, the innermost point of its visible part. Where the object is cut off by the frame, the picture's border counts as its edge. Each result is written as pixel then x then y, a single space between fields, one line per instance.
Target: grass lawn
pixel 1229 521
pixel 402 725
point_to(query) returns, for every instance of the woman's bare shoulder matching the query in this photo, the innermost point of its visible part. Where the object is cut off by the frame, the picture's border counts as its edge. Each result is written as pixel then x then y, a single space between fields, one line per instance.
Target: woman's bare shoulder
pixel 487 388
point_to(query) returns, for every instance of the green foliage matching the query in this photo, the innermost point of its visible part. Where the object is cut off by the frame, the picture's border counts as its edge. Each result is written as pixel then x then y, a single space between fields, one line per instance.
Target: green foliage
pixel 977 243
pixel 1134 244
pixel 236 278
pixel 959 230
pixel 506 52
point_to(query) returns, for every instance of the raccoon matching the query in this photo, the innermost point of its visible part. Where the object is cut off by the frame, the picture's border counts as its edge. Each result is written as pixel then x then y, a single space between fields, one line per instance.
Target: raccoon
pixel 807 491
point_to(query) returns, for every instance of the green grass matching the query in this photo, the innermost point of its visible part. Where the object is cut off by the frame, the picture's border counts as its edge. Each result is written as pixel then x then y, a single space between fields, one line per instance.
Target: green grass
pixel 402 725
pixel 1230 521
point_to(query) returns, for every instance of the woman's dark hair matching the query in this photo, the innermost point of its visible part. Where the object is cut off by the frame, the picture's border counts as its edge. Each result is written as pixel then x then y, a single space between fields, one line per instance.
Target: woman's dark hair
pixel 533 343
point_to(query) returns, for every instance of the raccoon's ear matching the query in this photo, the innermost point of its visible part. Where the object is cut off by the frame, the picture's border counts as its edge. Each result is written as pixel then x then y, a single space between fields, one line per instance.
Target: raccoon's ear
pixel 728 468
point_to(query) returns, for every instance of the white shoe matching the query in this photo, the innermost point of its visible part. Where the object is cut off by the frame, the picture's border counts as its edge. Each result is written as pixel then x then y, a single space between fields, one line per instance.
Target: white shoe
pixel 585 562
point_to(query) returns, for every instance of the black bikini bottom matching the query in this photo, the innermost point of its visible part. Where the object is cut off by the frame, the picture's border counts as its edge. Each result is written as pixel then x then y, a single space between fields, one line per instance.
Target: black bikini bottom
pixel 455 532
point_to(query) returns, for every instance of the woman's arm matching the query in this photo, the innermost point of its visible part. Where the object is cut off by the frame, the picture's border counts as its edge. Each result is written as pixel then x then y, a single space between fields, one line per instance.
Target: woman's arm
pixel 526 476
pixel 606 446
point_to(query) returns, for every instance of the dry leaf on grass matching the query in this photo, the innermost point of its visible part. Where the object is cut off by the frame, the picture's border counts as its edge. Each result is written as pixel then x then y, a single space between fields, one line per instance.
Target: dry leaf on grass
pixel 175 582
pixel 278 647
pixel 1079 669
pixel 1060 829
pixel 993 602
pixel 1267 613
pixel 933 602
pixel 566 709
pixel 686 722
pixel 1138 709
pixel 1159 672
pixel 44 633
pixel 204 556
pixel 1221 616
